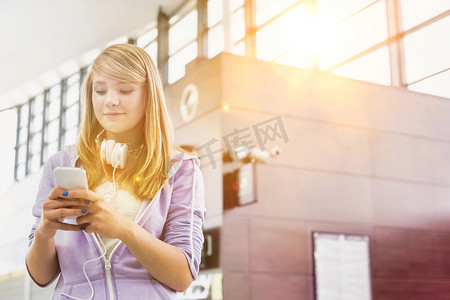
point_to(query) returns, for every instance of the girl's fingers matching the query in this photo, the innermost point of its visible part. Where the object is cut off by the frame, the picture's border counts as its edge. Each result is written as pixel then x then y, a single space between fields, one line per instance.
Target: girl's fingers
pixel 68 203
pixel 54 201
pixel 61 213
pixel 86 195
pixel 84 219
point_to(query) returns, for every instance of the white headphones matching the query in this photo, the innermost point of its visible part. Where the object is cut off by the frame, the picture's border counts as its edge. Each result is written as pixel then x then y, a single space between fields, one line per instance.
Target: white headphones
pixel 114 153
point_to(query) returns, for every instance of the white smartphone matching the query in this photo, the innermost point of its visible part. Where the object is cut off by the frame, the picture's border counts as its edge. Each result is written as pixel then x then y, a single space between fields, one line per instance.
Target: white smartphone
pixel 70 178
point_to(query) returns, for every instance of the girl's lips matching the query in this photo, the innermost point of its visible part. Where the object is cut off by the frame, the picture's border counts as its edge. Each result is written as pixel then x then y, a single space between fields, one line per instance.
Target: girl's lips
pixel 113 114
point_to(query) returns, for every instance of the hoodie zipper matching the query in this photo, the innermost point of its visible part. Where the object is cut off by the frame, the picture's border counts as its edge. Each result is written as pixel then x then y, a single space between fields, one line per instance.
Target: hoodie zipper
pixel 108 279
pixel 107 262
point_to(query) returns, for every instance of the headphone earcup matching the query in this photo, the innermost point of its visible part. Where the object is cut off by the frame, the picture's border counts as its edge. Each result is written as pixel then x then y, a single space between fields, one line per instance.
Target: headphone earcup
pixel 103 151
pixel 123 155
pixel 116 154
pixel 112 153
pixel 109 150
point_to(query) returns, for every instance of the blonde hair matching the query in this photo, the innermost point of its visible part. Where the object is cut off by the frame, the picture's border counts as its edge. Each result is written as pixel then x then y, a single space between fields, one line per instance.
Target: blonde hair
pixel 128 63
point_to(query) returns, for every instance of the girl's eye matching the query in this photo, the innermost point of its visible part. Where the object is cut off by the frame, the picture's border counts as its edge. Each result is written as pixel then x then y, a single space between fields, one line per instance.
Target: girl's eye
pixel 100 92
pixel 126 92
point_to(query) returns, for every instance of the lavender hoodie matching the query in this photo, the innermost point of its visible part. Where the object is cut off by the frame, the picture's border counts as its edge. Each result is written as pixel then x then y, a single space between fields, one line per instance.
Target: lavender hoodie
pixel 174 215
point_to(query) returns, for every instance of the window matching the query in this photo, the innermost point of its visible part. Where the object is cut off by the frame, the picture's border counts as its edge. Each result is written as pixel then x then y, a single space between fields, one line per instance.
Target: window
pixel 372 67
pixel 178 62
pixel 216 34
pixel 239 49
pixel 144 40
pixel 7 119
pixel 215 12
pixel 216 43
pixel 216 30
pixel 426 51
pixel 434 85
pixel 54 103
pixel 182 45
pixel 335 11
pixel 266 9
pixel 183 32
pixel 72 116
pixel 149 43
pixel 351 35
pixel 237 25
pixel 45 125
pixel 73 89
pixel 415 12
pixel 285 33
pixel 342 266
pixel 152 50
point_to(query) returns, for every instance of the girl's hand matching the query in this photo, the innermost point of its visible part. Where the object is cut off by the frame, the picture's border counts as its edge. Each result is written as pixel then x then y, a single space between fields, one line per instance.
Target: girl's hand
pixel 101 217
pixel 55 208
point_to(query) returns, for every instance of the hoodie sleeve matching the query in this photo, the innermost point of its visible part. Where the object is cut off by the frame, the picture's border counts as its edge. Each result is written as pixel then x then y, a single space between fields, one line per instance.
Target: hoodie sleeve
pixel 45 186
pixel 183 227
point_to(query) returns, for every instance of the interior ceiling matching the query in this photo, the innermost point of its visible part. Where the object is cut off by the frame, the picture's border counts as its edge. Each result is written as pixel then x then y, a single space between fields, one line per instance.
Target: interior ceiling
pixel 40 36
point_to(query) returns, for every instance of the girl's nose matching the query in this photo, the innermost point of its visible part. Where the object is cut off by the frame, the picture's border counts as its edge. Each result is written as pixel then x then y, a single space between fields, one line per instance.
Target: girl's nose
pixel 112 99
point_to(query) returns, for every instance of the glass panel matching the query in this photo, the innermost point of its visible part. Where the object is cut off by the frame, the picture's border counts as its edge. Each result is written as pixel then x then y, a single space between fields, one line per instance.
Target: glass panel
pixel 342 266
pixel 74 80
pixel 437 85
pixel 50 149
pixel 183 32
pixel 215 40
pixel 237 26
pixel 373 67
pixel 145 39
pixel 71 136
pixel 22 154
pixel 35 147
pixel 281 35
pixel 53 110
pixel 35 163
pixel 8 121
pixel 351 36
pixel 415 12
pixel 24 116
pixel 334 11
pixel 37 123
pixel 53 131
pixel 178 62
pixel 152 50
pixel 38 104
pixel 72 116
pixel 239 49
pixel 426 51
pixel 234 4
pixel 23 135
pixel 55 93
pixel 266 9
pixel 73 93
pixel 21 172
pixel 215 12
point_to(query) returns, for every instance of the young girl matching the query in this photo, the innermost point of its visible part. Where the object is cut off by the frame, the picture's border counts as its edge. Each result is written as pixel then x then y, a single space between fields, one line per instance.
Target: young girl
pixel 138 231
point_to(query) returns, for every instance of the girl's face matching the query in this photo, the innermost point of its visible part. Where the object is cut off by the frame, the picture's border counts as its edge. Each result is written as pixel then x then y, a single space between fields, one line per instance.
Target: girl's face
pixel 119 107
